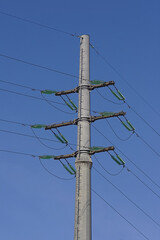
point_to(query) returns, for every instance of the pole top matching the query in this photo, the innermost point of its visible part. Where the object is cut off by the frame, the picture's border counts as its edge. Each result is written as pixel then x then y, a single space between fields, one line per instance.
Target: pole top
pixel 85 36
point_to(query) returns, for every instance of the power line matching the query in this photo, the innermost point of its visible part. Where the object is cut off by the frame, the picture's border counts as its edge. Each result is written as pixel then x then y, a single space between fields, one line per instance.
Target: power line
pixel 50 103
pixel 122 139
pixel 142 118
pixel 109 99
pixel 32 155
pixel 112 174
pixel 127 197
pixel 35 89
pixel 147 144
pixel 133 110
pixel 37 65
pixel 26 135
pixel 122 77
pixel 20 85
pixel 46 144
pixel 142 171
pixel 51 173
pixel 141 233
pixel 20 153
pixel 31 136
pixel 133 175
pixel 26 95
pixel 38 98
pixel 18 123
pixel 38 24
pixel 143 183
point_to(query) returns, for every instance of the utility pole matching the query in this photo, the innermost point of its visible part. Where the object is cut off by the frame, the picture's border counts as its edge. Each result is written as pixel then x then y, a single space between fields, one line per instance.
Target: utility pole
pixel 82 229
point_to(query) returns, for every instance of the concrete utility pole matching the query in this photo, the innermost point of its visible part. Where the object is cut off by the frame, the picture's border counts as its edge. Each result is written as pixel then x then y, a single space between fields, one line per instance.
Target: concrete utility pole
pixel 82 230
pixel 82 227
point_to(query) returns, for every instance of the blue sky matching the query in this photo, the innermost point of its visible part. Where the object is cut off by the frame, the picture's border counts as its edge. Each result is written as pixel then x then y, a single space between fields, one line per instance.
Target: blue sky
pixel 35 204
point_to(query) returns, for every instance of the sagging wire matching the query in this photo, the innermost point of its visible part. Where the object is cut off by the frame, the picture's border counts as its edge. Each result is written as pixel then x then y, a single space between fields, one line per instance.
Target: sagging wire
pixel 58 135
pixel 46 169
pixel 40 160
pixel 112 174
pixel 122 139
pixel 123 78
pixel 120 161
pixel 142 171
pixel 69 103
pixel 55 106
pixel 44 143
pixel 120 97
pixel 108 99
pixel 130 127
pixel 38 126
pixel 69 169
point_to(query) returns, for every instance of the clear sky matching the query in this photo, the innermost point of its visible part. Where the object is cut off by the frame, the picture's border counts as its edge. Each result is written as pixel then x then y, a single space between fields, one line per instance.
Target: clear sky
pixel 33 203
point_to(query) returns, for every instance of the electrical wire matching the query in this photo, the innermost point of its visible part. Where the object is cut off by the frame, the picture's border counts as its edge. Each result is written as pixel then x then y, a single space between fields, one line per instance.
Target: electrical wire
pixel 143 182
pixel 19 153
pixel 142 171
pixel 20 85
pixel 26 95
pixel 26 135
pixel 45 144
pixel 111 174
pixel 147 144
pixel 47 101
pixel 31 155
pixel 39 90
pixel 18 123
pixel 122 77
pixel 133 175
pixel 37 65
pixel 108 99
pixel 33 89
pixel 131 108
pixel 142 118
pixel 50 103
pixel 141 233
pixel 46 169
pixel 130 200
pixel 122 139
pixel 38 24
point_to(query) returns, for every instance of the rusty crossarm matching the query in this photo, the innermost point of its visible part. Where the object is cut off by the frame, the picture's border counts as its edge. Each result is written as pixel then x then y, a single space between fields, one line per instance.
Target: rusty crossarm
pixel 67 92
pixel 91 87
pixel 105 84
pixel 102 150
pixel 94 118
pixel 74 154
pixel 75 121
pixel 57 125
